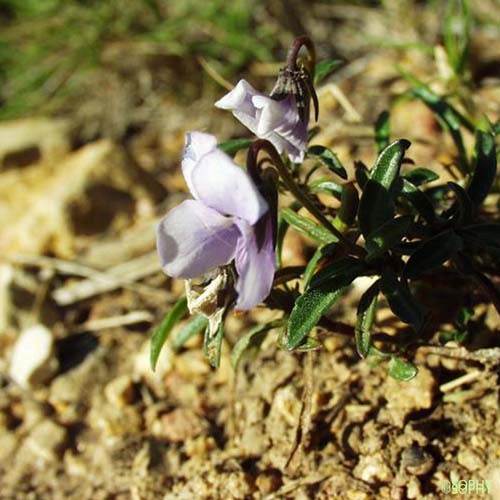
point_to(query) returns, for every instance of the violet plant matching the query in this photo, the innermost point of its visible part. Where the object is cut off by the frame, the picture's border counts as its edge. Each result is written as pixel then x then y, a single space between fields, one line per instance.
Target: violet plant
pixel 390 225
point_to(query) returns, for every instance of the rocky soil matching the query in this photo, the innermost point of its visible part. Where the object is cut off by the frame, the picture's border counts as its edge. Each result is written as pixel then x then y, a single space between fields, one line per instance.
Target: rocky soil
pixel 82 416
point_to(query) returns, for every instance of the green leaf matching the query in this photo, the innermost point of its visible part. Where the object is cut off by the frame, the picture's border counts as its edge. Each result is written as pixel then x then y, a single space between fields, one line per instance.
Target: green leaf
pixel 382 130
pixel 367 309
pixel 419 176
pixel 456 34
pixel 376 206
pixel 401 370
pixel 193 328
pixel 361 173
pixel 485 235
pixel 252 339
pixel 308 344
pixel 349 267
pixel 346 214
pixel 309 308
pixel 485 167
pixel 386 236
pixel 212 344
pixel 233 146
pixel 160 335
pixel 324 69
pixel 386 168
pixel 461 333
pixel 433 253
pixel 400 300
pixel 319 254
pixel 280 237
pixel 329 159
pixel 307 227
pixel 463 210
pixel 419 200
pixel 449 118
pixel 327 186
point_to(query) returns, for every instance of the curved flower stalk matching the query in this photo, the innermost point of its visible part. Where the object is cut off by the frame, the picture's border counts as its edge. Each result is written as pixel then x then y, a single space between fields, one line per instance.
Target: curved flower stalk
pixel 220 225
pixel 282 117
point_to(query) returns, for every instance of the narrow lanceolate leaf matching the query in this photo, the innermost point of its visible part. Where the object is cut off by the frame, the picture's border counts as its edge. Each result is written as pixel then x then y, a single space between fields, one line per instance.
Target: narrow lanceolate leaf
pixel 483 235
pixel 485 167
pixel 419 200
pixel 400 300
pixel 212 344
pixel 324 69
pixel 386 236
pixel 433 253
pixel 329 159
pixel 193 328
pixel 449 118
pixel 233 146
pixel 319 254
pixel 250 340
pixel 160 335
pixel 456 34
pixel 346 215
pixel 307 227
pixel 325 185
pixel 419 176
pixel 463 209
pixel 346 267
pixel 367 309
pixel 309 308
pixel 382 130
pixel 388 164
pixel 361 173
pixel 376 206
pixel 401 370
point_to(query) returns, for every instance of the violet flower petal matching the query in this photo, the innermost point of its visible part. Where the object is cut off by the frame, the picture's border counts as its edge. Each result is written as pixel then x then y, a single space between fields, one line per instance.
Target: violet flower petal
pixel 255 267
pixel 197 145
pixel 193 238
pixel 239 101
pixel 276 121
pixel 214 179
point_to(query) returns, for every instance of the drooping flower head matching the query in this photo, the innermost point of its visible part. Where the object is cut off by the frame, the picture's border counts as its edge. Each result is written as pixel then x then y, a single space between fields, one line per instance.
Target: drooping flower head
pixel 283 116
pixel 219 224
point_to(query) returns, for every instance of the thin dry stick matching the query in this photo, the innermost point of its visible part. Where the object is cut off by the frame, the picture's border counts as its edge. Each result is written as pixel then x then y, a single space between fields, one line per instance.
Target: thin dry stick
pixel 352 114
pixel 116 321
pixel 464 379
pixel 214 74
pixel 489 356
pixel 120 276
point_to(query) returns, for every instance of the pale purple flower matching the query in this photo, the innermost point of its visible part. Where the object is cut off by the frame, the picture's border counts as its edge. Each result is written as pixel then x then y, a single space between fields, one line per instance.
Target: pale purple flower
pixel 278 121
pixel 219 225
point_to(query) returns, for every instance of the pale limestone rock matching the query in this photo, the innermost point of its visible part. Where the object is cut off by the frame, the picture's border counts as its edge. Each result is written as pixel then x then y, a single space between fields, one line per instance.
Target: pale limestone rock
pixel 47 440
pixel 33 361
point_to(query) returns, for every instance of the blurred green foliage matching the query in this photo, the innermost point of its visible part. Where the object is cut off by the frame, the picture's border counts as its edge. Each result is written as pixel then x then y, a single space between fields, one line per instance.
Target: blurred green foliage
pixel 46 46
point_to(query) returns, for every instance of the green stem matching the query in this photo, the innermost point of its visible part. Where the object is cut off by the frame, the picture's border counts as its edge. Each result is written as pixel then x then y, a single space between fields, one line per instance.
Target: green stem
pixel 300 195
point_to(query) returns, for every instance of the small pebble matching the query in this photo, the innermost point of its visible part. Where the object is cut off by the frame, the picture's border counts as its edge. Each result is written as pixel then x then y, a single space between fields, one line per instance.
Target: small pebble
pixel 33 361
pixel 120 391
pixel 8 443
pixel 182 424
pixel 404 398
pixel 416 460
pixel 373 469
pixel 470 459
pixel 47 440
pixel 268 481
